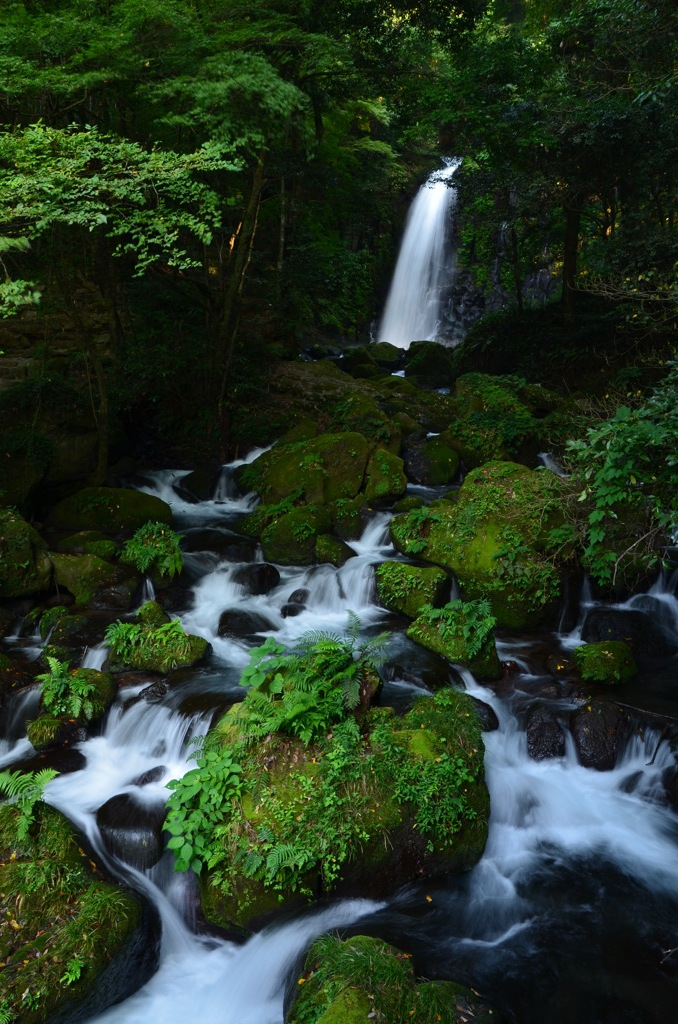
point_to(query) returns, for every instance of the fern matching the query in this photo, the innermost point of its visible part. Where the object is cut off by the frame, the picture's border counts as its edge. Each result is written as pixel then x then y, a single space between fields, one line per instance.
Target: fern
pixel 25 789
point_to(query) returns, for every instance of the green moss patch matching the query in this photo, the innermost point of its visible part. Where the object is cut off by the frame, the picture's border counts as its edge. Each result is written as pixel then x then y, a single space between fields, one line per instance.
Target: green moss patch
pixel 610 662
pixel 318 471
pixel 405 588
pixel 62 927
pixel 364 978
pixel 25 566
pixel 385 480
pixel 109 509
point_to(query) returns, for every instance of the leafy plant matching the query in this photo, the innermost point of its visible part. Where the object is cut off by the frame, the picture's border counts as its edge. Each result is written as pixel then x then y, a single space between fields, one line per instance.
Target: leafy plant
pixel 474 619
pixel 154 546
pixel 306 692
pixel 25 789
pixel 139 644
pixel 202 800
pixel 67 691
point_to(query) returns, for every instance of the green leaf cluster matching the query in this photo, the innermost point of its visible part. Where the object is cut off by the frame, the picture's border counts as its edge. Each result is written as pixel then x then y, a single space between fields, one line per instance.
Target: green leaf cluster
pixel 68 692
pixel 154 546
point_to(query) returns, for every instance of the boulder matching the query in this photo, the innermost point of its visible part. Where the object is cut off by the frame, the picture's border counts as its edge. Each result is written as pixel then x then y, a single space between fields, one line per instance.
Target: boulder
pixel 405 588
pixel 94 582
pixel 385 480
pixel 109 509
pixel 639 630
pixel 609 662
pixel 431 460
pixel 600 730
pixel 333 550
pixel 545 738
pixel 258 577
pixel 291 539
pixel 132 829
pixel 25 566
pixel 450 632
pixel 241 623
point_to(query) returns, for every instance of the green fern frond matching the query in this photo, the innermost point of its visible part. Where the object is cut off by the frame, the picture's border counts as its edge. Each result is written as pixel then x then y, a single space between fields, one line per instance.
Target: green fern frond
pixel 18 785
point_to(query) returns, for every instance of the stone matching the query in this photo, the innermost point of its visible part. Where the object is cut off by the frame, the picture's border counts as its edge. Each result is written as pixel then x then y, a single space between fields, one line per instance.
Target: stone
pixel 385 480
pixel 609 662
pixel 109 509
pixel 600 730
pixel 132 829
pixel 545 738
pixel 258 577
pixel 405 588
pixel 25 566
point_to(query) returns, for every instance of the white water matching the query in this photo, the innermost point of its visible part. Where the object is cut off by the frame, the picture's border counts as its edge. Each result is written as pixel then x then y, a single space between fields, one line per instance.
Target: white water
pixel 425 266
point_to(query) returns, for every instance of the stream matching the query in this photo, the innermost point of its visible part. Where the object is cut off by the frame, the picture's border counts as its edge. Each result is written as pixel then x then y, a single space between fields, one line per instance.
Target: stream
pixel 570 916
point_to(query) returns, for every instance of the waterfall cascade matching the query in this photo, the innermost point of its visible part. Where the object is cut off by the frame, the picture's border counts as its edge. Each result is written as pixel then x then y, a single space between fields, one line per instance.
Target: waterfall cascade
pixel 424 272
pixel 571 917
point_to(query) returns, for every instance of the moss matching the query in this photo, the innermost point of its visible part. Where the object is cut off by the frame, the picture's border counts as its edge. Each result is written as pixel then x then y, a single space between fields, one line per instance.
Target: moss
pixel 320 470
pixel 447 637
pixel 25 566
pixel 44 730
pixel 349 517
pixel 84 575
pixel 405 588
pixel 152 614
pixel 156 649
pixel 430 363
pixel 496 423
pixel 60 916
pixel 385 480
pixel 360 413
pixel 408 503
pixel 439 461
pixel 291 539
pixel 363 977
pixel 49 728
pixel 333 550
pixel 493 538
pixel 110 509
pixel 610 662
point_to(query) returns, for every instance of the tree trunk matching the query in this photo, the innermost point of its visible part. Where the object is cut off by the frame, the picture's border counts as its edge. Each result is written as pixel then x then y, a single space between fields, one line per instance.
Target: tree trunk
pixel 230 314
pixel 570 247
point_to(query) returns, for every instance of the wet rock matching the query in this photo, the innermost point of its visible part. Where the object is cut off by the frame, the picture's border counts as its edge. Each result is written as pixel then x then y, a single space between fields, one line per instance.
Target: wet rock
pixel 231 547
pixel 234 622
pixel 259 577
pixel 609 662
pixel 291 609
pixel 132 829
pixel 600 730
pixel 641 632
pixel 154 693
pixel 486 715
pixel 299 596
pixel 331 549
pixel 152 775
pixel 108 509
pixel 431 461
pixel 545 738
pixel 25 566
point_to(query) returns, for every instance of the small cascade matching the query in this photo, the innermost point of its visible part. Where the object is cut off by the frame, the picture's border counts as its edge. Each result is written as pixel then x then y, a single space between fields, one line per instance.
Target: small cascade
pixel 18 708
pixel 424 273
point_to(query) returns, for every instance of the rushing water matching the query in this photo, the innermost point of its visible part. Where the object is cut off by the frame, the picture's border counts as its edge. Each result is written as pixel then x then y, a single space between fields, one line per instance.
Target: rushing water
pixel 571 917
pixel 424 272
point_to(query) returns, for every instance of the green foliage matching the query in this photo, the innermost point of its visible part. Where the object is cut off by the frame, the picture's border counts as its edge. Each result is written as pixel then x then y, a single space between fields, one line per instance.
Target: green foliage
pixel 308 691
pixel 201 802
pixel 139 644
pixel 68 692
pixel 154 546
pixel 629 462
pixel 25 789
pixel 473 618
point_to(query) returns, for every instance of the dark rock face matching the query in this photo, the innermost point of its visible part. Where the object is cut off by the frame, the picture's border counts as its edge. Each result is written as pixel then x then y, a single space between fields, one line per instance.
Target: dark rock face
pixel 486 714
pixel 600 731
pixel 545 738
pixel 132 830
pixel 231 547
pixel 299 596
pixel 641 630
pixel 259 577
pixel 233 622
pixel 290 609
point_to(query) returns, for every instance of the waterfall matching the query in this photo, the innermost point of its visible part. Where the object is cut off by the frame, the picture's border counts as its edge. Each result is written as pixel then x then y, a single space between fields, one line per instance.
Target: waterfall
pixel 425 268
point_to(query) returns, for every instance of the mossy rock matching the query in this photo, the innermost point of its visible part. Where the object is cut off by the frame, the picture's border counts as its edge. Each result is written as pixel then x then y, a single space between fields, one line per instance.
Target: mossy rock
pixel 387 355
pixel 291 539
pixel 87 575
pixel 405 588
pixel 25 566
pixel 62 917
pixel 347 982
pixel 496 423
pixel 320 470
pixel 430 363
pixel 610 662
pixel 76 543
pixel 432 461
pixel 159 649
pixel 385 480
pixel 358 412
pixel 331 549
pixel 349 518
pixel 408 503
pixel 448 637
pixel 407 801
pixel 152 614
pixel 493 538
pixel 109 509
pixel 50 728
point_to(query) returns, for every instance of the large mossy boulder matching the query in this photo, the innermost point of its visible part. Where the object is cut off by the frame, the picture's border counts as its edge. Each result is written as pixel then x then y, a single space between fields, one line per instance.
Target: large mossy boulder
pixel 316 471
pixel 494 539
pixel 291 539
pixel 405 588
pixel 109 509
pixel 363 978
pixel 62 920
pixel 94 581
pixel 353 815
pixel 430 363
pixel 609 662
pixel 81 697
pixel 463 633
pixel 25 566
pixel 361 413
pixel 496 424
pixel 385 480
pixel 146 646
